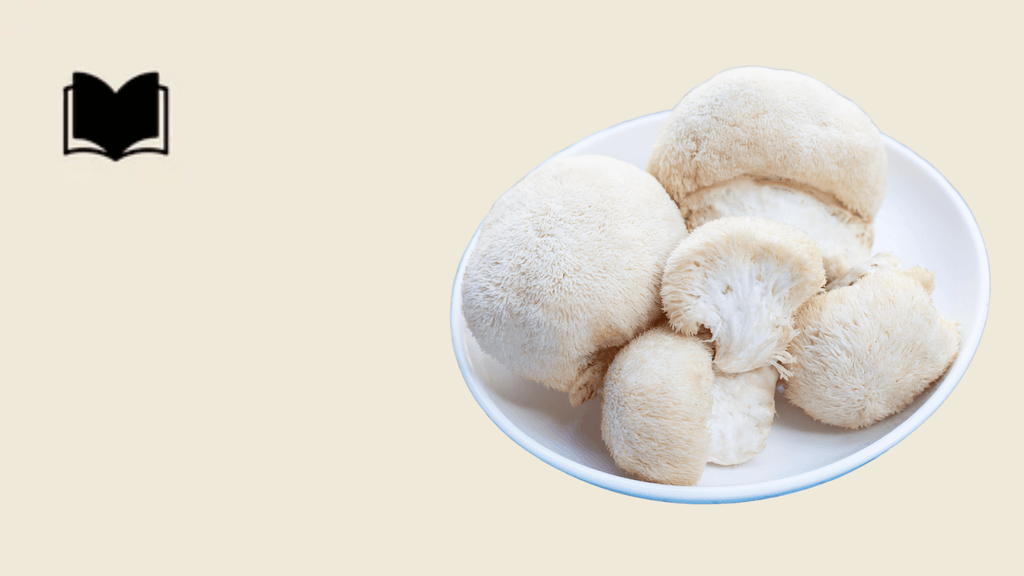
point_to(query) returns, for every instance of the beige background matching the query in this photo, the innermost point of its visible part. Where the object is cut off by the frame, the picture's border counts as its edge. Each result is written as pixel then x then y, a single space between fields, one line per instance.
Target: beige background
pixel 236 359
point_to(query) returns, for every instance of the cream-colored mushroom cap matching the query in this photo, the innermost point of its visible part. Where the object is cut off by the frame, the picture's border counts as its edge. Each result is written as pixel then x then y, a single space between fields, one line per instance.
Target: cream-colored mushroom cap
pixel 864 352
pixel 567 268
pixel 741 415
pixel 743 278
pixel 657 401
pixel 776 124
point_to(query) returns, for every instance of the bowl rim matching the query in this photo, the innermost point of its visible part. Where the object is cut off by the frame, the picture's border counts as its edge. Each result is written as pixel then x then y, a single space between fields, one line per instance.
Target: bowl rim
pixel 744 492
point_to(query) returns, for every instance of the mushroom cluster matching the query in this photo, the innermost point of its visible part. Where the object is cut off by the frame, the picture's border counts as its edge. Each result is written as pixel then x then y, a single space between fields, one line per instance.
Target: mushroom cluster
pixel 683 295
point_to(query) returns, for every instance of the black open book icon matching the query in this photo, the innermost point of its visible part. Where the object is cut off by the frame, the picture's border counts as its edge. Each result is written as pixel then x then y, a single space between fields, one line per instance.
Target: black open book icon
pixel 115 124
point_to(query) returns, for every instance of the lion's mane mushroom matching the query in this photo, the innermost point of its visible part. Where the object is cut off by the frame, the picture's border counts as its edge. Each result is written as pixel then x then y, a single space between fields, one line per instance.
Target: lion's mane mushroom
pixel 865 351
pixel 657 401
pixel 779 144
pixel 567 268
pixel 741 415
pixel 743 278
pixel 666 413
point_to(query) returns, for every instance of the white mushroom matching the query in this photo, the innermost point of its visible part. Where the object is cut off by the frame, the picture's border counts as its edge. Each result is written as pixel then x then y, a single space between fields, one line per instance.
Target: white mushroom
pixel 864 352
pixel 742 414
pixel 843 239
pixel 567 268
pixel 743 278
pixel 815 157
pixel 657 401
pixel 877 263
pixel 666 413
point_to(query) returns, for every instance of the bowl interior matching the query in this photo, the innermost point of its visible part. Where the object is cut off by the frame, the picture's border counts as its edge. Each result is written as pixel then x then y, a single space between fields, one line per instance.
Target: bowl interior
pixel 923 220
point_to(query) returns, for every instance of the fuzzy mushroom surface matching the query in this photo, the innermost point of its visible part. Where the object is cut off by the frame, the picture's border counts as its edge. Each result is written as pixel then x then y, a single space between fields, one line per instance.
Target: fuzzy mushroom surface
pixel 742 413
pixel 567 268
pixel 843 239
pixel 865 351
pixel 743 278
pixel 776 124
pixel 657 402
pixel 780 144
pixel 877 263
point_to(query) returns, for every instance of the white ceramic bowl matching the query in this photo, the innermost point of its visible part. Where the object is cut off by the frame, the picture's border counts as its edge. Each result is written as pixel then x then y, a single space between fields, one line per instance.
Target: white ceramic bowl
pixel 923 220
